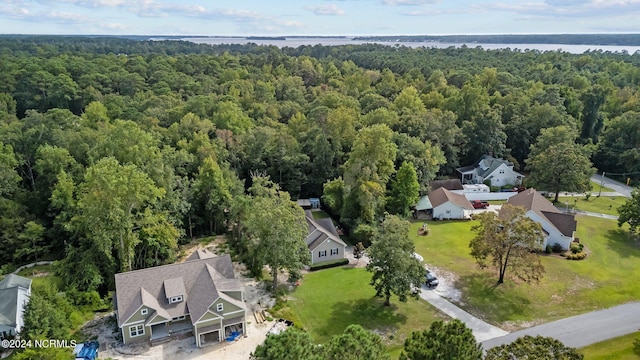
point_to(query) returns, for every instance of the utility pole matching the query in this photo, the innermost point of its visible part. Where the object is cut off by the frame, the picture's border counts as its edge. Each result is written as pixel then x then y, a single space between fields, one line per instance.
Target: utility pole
pixel 601 184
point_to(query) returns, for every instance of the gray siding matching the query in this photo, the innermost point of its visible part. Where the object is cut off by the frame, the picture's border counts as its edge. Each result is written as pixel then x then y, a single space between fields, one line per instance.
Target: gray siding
pixel 327 246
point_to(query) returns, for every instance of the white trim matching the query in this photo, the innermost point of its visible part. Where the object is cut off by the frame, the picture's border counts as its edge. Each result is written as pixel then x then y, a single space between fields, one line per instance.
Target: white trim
pixel 144 312
pixel 233 312
pixel 208 307
pixel 138 334
pixel 130 316
pixel 133 323
pixel 218 317
pixel 220 307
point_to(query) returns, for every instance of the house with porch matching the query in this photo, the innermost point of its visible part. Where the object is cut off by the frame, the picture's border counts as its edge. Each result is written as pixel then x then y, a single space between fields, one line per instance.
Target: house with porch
pixel 498 172
pixel 559 228
pixel 323 240
pixel 200 296
pixel 15 291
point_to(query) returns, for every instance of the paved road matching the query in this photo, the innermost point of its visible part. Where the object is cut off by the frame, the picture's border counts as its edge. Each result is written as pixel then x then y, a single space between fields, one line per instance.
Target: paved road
pixel 481 329
pixel 612 184
pixel 582 330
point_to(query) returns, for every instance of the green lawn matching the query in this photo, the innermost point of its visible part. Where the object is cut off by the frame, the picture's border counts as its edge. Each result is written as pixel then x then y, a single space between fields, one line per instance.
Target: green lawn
pixel 604 204
pixel 568 287
pixel 40 275
pixel 621 348
pixel 598 188
pixel 329 300
pixel 319 214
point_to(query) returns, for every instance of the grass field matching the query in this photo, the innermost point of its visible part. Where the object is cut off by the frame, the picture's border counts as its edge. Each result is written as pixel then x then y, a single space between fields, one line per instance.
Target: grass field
pixel 329 300
pixel 621 348
pixel 41 275
pixel 568 287
pixel 604 204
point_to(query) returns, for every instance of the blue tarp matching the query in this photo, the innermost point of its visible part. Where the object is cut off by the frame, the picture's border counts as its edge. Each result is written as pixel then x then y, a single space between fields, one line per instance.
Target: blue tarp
pixel 89 351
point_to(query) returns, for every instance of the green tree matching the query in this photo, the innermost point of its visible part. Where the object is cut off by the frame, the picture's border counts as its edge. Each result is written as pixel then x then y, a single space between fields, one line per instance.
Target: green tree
pixel 533 348
pixel 46 315
pixel 404 189
pixel 395 270
pixel 277 228
pixel 42 353
pixel 9 177
pixel 370 165
pixel 291 344
pixel 210 187
pixel 630 211
pixel 557 163
pixel 356 343
pixel 451 340
pixel 508 242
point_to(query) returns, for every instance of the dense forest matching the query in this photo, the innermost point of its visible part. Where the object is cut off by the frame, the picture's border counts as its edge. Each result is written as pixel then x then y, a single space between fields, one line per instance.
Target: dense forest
pixel 113 151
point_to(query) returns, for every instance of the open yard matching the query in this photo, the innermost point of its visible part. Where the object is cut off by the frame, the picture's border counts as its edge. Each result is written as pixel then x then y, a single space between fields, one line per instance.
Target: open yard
pixel 568 287
pixel 329 300
pixel 621 348
pixel 604 204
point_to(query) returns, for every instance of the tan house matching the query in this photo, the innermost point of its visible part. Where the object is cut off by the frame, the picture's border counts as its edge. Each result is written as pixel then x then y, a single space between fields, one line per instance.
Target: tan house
pixel 200 296
pixel 323 240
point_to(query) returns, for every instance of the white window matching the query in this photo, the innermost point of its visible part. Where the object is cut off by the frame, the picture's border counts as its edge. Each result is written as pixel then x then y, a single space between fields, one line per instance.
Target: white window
pixel 334 251
pixel 322 253
pixel 175 299
pixel 219 307
pixel 144 312
pixel 136 330
pixel 501 171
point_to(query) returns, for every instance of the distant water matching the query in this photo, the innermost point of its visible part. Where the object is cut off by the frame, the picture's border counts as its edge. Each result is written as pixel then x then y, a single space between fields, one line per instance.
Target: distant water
pixel 334 41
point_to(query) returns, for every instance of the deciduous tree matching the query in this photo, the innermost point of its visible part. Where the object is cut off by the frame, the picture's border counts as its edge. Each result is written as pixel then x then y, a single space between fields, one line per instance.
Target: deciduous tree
pixel 508 241
pixel 395 270
pixel 557 163
pixel 404 189
pixel 630 211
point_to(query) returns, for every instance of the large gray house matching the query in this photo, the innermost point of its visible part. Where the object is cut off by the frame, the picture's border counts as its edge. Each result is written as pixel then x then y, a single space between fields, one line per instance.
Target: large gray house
pixel 323 240
pixel 200 296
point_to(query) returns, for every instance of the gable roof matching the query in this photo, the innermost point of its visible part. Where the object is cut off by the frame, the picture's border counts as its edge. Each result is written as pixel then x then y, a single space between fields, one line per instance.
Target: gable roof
pixel 449 184
pixel 9 294
pixel 200 254
pixel 486 165
pixel 13 280
pixel 532 201
pixel 442 195
pixel 203 281
pixel 319 231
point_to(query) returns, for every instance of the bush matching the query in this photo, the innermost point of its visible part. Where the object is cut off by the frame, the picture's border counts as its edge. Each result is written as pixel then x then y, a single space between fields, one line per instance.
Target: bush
pixel 578 256
pixel 557 248
pixel 576 248
pixel 548 249
pixel 329 264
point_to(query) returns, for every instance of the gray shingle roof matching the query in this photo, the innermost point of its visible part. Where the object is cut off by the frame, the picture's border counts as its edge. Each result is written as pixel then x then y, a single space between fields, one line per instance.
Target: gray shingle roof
pixel 203 282
pixel 449 184
pixel 13 280
pixel 9 288
pixel 319 232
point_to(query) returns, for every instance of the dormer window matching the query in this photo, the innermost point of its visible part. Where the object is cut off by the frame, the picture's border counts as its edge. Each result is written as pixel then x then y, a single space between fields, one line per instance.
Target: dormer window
pixel 220 307
pixel 144 312
pixel 175 299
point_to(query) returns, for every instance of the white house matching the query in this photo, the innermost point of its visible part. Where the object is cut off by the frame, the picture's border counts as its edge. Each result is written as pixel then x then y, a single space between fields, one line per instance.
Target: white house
pixel 14 295
pixel 323 240
pixel 449 205
pixel 499 172
pixel 559 228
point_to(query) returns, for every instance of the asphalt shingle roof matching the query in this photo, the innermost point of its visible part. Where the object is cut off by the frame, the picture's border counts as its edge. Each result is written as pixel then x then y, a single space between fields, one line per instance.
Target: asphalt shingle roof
pixel 442 195
pixel 532 201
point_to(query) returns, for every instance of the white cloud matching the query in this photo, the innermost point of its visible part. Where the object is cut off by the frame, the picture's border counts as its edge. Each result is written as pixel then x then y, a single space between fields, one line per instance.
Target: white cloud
pixel 408 2
pixel 331 9
pixel 563 9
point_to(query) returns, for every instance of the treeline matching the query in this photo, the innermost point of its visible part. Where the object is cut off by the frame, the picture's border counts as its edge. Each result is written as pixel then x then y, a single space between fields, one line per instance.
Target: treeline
pixel 112 151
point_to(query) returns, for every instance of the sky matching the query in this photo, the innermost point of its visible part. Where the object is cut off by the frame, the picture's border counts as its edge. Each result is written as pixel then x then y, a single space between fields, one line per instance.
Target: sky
pixel 318 17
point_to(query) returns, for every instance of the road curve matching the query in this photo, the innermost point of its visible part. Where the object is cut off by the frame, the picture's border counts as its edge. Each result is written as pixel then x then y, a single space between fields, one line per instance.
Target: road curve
pixel 582 330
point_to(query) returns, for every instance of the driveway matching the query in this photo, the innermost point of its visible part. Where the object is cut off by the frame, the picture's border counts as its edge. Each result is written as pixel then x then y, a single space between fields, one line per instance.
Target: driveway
pixel 612 184
pixel 481 329
pixel 582 330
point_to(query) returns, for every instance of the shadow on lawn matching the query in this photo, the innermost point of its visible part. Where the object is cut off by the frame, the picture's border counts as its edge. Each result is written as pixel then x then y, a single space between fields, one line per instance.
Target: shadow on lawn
pixel 370 313
pixel 484 296
pixel 623 243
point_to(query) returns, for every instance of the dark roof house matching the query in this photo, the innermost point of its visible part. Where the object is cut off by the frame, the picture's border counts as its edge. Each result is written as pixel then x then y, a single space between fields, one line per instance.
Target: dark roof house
pixel 200 294
pixel 323 240
pixel 449 184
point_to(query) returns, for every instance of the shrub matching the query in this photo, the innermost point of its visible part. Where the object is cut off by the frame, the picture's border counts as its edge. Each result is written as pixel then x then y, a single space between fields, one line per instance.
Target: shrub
pixel 578 256
pixel 575 248
pixel 557 248
pixel 329 264
pixel 548 249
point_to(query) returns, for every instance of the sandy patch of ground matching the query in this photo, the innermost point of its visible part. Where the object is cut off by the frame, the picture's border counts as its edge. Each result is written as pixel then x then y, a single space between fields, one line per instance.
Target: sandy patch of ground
pixel 446 284
pixel 104 328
